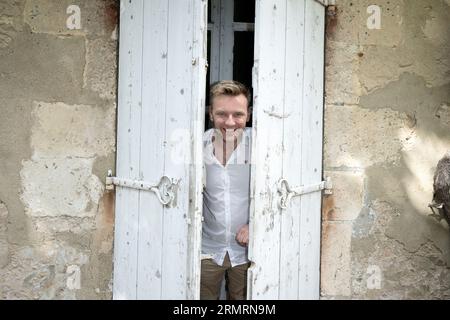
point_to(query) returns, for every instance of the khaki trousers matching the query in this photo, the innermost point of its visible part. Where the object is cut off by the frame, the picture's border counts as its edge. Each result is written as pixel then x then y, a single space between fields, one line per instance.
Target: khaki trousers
pixel 212 275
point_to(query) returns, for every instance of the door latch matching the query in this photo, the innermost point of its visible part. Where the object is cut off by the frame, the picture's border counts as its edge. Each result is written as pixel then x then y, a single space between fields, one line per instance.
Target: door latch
pixel 287 193
pixel 165 190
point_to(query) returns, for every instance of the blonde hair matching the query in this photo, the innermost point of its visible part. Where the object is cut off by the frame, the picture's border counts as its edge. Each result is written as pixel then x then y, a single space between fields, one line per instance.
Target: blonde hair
pixel 228 88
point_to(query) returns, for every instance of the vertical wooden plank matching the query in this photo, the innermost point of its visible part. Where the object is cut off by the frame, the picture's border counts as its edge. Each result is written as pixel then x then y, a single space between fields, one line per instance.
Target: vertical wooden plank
pixel 215 42
pixel 162 75
pixel 264 248
pixel 198 81
pixel 152 147
pixel 226 40
pixel 128 133
pixel 292 151
pixel 312 149
pixel 178 116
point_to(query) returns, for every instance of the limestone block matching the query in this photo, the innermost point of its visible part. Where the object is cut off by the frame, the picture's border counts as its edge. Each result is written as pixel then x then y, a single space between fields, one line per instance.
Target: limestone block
pixel 351 23
pixel 391 23
pixel 339 21
pixel 60 187
pixel 43 67
pixel 9 29
pixel 41 278
pixel 51 226
pixel 96 17
pixel 422 49
pixel 341 73
pixel 11 8
pixel 4 246
pixel 401 273
pixel 62 130
pixel 443 113
pixel 356 137
pixel 382 65
pixel 346 201
pixel 435 31
pixel 10 21
pixel 336 259
pixel 68 255
pixel 100 70
pixel 44 272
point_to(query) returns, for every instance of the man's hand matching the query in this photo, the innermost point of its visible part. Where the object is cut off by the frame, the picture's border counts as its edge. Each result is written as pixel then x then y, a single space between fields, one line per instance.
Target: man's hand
pixel 242 236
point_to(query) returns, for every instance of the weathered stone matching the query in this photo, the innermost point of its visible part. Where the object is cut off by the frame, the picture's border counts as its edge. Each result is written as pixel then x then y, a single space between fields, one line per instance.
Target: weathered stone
pixel 100 71
pixel 357 14
pixel 56 17
pixel 357 138
pixel 409 223
pixel 62 130
pixel 424 34
pixel 43 234
pixel 391 21
pixel 41 272
pixel 422 104
pixel 41 278
pixel 44 178
pixel 8 30
pixel 443 113
pixel 51 227
pixel 401 274
pixel 11 8
pixel 10 21
pixel 4 246
pixel 346 201
pixel 397 61
pixel 42 67
pixel 342 63
pixel 363 225
pixel 15 128
pixel 337 22
pixel 336 259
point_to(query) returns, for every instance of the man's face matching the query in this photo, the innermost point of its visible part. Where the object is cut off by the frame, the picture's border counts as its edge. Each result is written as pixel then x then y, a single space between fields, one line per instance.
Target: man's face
pixel 229 115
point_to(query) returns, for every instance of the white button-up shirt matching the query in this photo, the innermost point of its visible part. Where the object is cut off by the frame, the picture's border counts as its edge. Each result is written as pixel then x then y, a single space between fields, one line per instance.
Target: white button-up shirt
pixel 226 200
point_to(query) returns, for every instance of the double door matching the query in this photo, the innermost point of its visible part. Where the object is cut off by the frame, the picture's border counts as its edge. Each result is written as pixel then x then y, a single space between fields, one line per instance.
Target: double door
pixel 161 109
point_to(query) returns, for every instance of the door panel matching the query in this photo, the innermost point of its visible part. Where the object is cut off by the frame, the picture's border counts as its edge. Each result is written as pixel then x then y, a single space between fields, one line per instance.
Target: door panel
pixel 162 59
pixel 128 146
pixel 288 86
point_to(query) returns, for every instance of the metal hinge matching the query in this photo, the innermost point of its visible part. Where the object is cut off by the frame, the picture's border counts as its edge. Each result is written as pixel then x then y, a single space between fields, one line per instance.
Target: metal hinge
pixel 327 2
pixel 287 193
pixel 165 189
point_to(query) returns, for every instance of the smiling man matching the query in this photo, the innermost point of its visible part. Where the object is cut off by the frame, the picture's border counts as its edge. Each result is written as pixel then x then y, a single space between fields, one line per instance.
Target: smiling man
pixel 226 151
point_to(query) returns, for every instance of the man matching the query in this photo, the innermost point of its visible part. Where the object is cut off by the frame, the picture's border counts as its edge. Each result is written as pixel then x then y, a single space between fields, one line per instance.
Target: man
pixel 226 192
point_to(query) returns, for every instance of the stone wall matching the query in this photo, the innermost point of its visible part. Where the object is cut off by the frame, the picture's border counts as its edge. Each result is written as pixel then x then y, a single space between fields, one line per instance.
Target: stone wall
pixel 57 140
pixel 387 123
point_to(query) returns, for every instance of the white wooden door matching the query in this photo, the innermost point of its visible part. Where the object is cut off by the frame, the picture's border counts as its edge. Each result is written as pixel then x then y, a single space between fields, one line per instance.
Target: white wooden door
pixel 288 108
pixel 162 73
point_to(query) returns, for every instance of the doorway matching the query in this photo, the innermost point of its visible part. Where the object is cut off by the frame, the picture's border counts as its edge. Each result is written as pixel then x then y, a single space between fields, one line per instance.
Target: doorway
pixel 230 42
pixel 161 100
pixel 230 48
